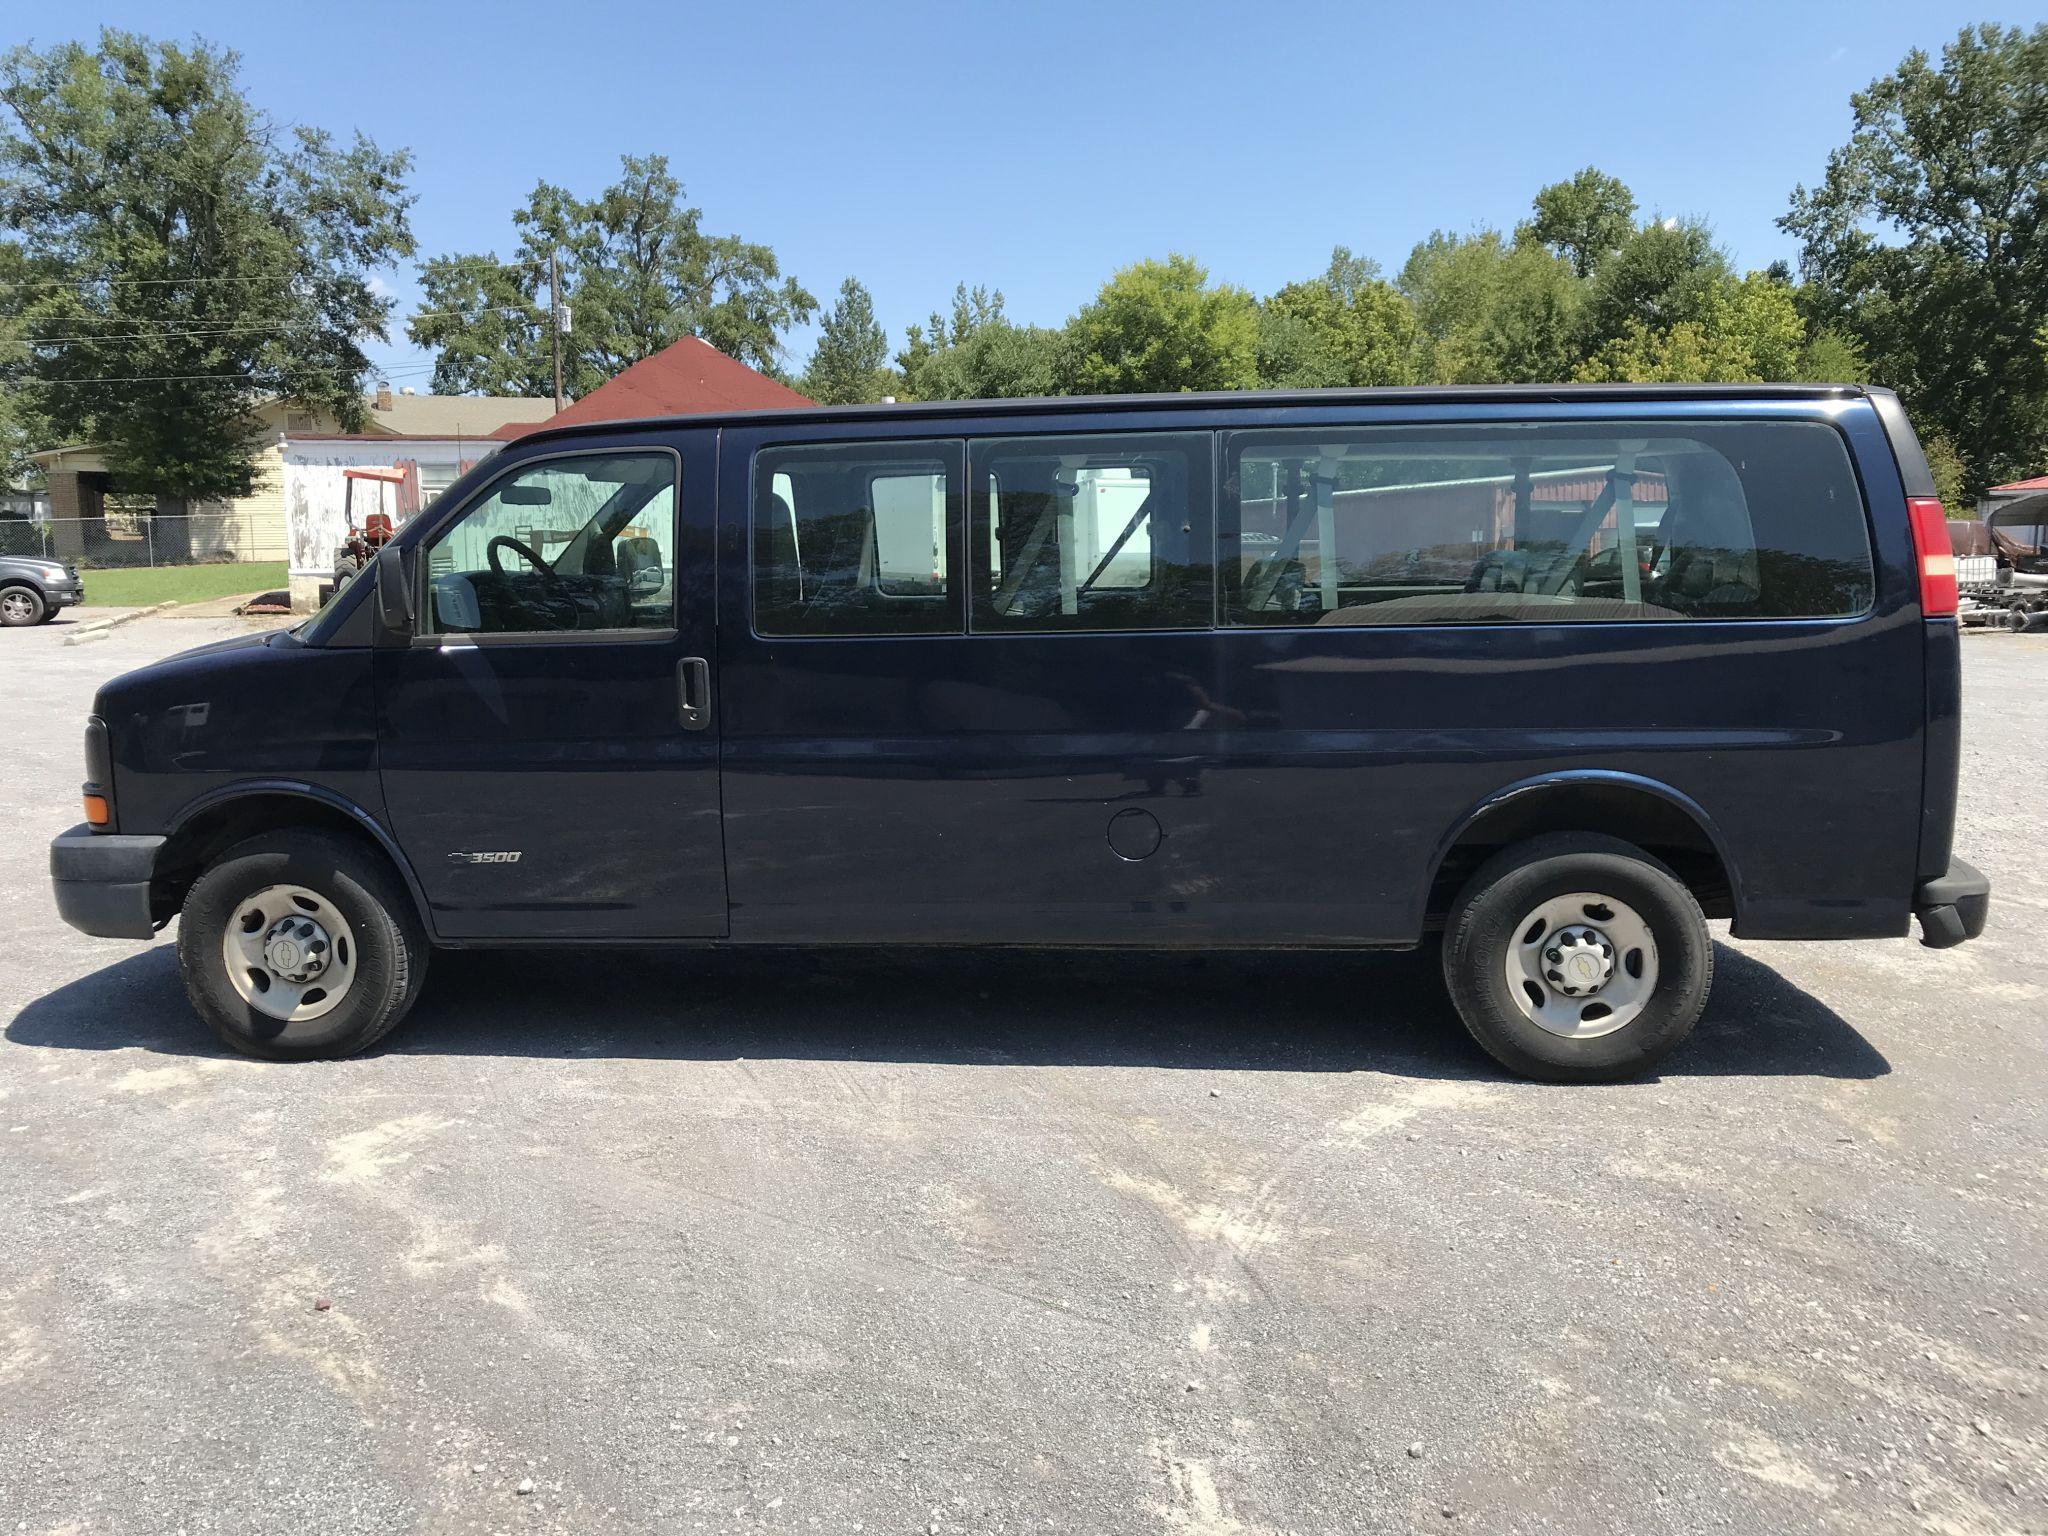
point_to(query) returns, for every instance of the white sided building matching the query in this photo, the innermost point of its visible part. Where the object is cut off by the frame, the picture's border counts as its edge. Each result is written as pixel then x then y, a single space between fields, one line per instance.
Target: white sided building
pixel 429 439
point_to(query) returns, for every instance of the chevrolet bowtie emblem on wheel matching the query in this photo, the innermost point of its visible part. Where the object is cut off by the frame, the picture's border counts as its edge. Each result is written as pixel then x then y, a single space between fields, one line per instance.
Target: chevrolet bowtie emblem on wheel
pixel 510 857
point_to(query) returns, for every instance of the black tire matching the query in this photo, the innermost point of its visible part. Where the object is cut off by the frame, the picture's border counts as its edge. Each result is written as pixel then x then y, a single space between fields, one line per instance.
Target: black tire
pixel 345 566
pixel 22 607
pixel 1511 885
pixel 391 958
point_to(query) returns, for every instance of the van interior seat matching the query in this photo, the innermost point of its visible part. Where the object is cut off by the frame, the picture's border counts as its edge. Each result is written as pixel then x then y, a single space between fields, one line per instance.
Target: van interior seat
pixel 1710 562
pixel 1704 578
pixel 1532 571
pixel 637 555
pixel 1275 584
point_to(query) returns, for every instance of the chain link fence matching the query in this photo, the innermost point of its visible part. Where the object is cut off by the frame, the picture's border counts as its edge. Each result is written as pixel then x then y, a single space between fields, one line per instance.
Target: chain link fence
pixel 124 539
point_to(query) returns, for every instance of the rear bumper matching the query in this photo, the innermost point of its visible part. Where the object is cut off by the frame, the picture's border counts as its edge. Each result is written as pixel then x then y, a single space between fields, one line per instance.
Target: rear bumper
pixel 1952 906
pixel 101 881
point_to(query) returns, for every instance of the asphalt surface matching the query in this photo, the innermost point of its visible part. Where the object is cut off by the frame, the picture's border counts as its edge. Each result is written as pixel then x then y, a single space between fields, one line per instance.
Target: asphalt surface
pixel 913 1242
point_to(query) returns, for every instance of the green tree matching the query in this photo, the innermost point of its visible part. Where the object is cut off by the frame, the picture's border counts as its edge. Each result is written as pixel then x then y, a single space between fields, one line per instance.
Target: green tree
pixel 1951 475
pixel 638 274
pixel 1451 281
pixel 979 354
pixel 1832 358
pixel 1348 327
pixel 1927 241
pixel 850 364
pixel 486 321
pixel 1300 340
pixel 1491 312
pixel 1584 220
pixel 1528 336
pixel 182 258
pixel 972 309
pixel 1349 274
pixel 20 431
pixel 1744 332
pixel 1663 275
pixel 1160 326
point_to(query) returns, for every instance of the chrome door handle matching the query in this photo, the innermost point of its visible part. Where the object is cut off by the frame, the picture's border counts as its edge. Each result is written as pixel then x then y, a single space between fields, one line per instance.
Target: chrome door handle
pixel 693 684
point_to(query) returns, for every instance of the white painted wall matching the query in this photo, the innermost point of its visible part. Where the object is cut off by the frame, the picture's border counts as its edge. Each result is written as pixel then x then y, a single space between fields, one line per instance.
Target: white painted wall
pixel 315 494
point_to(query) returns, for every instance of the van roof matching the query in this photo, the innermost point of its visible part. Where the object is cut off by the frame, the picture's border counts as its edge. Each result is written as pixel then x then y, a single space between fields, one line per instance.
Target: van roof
pixel 1448 394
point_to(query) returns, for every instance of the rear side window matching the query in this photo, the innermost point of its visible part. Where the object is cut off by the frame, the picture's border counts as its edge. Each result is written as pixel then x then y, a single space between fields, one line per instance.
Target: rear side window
pixel 854 539
pixel 1422 525
pixel 1103 532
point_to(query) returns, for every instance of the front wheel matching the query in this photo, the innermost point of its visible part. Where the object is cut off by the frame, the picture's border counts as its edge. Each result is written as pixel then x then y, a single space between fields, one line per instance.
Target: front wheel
pixel 21 607
pixel 1577 958
pixel 300 945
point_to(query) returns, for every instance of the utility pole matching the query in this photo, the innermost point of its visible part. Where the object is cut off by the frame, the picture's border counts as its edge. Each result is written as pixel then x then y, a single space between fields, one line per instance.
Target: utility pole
pixel 555 322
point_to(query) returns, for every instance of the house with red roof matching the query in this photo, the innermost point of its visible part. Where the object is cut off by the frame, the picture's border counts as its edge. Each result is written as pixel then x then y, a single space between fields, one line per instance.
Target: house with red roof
pixel 687 379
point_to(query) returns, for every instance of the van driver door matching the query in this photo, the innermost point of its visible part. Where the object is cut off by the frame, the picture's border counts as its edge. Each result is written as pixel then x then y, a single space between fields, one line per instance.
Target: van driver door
pixel 548 741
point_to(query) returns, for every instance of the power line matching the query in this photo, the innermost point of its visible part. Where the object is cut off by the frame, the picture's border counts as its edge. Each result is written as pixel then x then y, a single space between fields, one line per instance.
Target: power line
pixel 223 378
pixel 87 280
pixel 531 312
pixel 84 281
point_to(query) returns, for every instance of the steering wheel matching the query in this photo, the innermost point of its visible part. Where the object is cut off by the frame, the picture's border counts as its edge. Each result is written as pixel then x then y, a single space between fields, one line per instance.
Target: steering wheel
pixel 524 553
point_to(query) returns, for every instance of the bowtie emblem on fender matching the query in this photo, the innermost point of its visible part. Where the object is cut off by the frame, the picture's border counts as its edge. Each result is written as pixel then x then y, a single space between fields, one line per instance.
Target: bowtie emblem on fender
pixel 509 857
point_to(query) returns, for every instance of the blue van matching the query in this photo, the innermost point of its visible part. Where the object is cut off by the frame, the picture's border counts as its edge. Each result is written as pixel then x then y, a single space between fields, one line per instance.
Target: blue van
pixel 1557 674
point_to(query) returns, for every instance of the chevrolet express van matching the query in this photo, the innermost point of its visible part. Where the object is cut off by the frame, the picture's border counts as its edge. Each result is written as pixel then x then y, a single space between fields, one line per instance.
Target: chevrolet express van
pixel 1555 674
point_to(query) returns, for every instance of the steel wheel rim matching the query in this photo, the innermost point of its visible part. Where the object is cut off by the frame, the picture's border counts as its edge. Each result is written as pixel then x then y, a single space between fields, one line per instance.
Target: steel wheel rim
pixel 1563 982
pixel 15 605
pixel 289 953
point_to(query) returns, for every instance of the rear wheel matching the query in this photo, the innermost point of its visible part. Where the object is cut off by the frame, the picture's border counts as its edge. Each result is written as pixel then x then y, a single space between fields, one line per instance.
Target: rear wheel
pixel 21 606
pixel 300 945
pixel 1577 958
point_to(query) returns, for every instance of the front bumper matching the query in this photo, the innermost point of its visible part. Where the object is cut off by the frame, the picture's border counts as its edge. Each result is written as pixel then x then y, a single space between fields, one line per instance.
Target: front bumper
pixel 1952 906
pixel 67 595
pixel 101 880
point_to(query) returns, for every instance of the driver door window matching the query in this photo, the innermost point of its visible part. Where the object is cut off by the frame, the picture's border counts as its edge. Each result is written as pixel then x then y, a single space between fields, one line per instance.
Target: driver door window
pixel 581 543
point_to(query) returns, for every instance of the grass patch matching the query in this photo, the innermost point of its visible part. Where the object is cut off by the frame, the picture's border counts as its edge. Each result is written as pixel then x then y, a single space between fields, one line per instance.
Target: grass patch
pixel 180 583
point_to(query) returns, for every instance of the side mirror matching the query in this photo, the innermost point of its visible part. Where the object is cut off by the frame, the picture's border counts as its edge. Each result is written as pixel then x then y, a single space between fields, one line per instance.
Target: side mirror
pixel 647 581
pixel 394 593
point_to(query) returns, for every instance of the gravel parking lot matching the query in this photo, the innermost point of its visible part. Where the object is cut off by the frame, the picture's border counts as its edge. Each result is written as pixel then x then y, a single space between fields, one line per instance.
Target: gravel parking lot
pixel 915 1242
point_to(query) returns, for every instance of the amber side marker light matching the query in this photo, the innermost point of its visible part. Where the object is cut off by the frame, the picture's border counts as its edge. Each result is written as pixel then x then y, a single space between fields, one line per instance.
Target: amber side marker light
pixel 96 813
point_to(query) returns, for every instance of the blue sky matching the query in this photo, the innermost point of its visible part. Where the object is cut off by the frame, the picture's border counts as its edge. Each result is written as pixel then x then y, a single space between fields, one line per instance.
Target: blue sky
pixel 1035 148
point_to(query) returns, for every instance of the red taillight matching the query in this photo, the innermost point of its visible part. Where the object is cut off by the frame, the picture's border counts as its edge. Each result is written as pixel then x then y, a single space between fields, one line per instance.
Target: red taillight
pixel 1937 559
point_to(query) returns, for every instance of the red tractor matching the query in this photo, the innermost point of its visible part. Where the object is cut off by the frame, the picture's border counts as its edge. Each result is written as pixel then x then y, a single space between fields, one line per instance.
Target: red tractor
pixel 361 544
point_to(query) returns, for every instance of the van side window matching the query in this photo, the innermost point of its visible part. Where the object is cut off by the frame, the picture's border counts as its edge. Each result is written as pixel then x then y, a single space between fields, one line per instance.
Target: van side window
pixel 581 542
pixel 1104 533
pixel 854 539
pixel 1414 525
